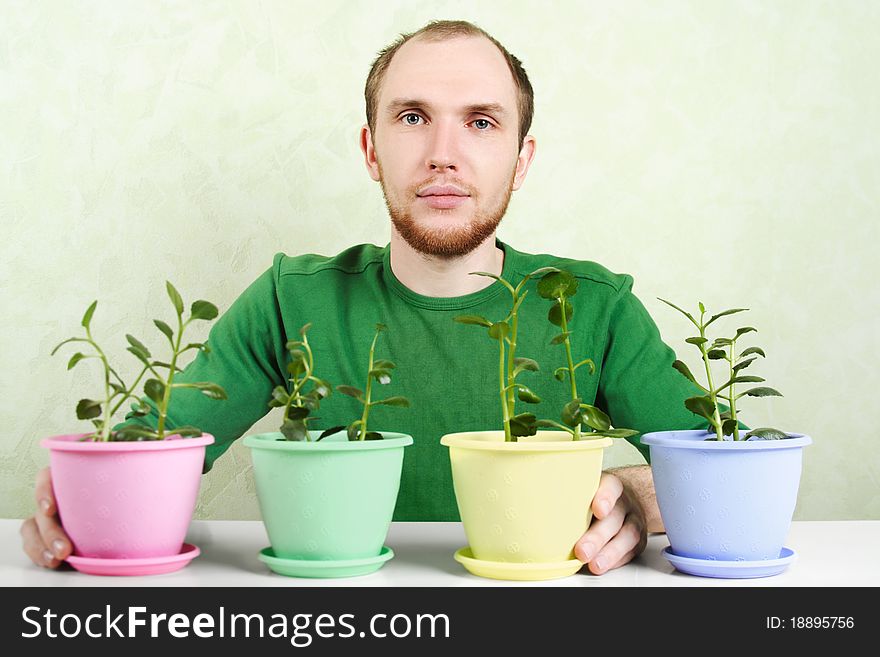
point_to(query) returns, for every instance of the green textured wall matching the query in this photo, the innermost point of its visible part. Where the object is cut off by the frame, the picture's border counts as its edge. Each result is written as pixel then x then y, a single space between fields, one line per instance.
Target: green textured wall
pixel 718 151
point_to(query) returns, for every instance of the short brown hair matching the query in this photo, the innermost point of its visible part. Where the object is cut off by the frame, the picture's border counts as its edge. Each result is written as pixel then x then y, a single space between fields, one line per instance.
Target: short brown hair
pixel 441 31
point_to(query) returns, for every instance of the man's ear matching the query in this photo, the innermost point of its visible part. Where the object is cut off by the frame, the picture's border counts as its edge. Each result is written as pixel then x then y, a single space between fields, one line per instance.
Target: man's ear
pixel 369 152
pixel 524 161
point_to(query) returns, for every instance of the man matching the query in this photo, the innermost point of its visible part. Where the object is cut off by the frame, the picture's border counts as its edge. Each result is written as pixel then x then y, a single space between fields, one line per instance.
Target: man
pixel 448 114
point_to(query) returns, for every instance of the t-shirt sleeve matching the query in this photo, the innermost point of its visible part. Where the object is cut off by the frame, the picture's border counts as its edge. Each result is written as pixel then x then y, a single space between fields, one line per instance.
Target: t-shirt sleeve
pixel 247 358
pixel 638 387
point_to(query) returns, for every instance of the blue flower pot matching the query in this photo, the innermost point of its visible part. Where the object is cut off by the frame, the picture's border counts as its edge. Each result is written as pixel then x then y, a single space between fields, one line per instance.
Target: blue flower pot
pixel 725 500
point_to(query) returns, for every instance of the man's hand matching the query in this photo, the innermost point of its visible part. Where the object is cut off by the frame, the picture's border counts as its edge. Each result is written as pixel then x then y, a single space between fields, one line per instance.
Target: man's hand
pixel 618 532
pixel 42 537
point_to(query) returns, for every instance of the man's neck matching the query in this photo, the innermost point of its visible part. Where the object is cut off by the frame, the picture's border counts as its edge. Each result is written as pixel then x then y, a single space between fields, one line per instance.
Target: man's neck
pixel 440 277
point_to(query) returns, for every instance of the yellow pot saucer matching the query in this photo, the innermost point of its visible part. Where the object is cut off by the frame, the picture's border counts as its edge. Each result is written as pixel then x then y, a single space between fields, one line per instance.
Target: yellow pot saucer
pixel 516 571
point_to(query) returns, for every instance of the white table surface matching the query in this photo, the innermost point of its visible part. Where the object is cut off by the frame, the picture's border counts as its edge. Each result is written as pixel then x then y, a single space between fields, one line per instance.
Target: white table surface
pixel 829 553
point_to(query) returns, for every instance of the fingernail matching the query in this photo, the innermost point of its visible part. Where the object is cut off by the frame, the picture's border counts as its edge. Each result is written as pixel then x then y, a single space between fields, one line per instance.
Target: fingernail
pixel 47 557
pixel 587 550
pixel 600 563
pixel 45 505
pixel 58 546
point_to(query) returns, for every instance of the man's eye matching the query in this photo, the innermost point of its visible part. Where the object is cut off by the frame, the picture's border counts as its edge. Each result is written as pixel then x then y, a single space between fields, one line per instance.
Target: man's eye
pixel 479 124
pixel 406 118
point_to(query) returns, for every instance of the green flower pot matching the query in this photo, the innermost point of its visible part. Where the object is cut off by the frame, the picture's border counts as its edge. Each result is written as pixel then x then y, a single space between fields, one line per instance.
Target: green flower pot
pixel 327 501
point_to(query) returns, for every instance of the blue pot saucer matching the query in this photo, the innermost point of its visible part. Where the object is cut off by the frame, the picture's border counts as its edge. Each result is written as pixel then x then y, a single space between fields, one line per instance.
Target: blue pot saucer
pixel 315 568
pixel 730 569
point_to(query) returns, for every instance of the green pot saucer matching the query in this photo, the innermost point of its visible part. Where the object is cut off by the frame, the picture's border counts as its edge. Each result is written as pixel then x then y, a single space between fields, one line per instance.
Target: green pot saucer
pixel 516 571
pixel 315 568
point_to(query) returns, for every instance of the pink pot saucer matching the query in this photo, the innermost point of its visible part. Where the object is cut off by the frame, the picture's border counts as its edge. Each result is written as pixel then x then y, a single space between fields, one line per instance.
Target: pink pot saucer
pixel 135 567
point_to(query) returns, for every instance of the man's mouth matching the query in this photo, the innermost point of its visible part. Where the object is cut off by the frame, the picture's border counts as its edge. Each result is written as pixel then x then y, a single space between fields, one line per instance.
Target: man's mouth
pixel 443 197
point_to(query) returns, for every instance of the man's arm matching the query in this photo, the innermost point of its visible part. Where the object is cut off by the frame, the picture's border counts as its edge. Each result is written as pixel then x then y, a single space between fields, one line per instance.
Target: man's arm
pixel 638 482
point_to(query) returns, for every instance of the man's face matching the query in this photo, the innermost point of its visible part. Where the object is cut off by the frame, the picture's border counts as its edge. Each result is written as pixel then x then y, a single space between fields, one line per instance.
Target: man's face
pixel 445 148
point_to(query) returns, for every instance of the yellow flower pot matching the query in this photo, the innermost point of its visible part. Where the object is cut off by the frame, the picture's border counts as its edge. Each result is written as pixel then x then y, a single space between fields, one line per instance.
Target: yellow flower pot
pixel 523 504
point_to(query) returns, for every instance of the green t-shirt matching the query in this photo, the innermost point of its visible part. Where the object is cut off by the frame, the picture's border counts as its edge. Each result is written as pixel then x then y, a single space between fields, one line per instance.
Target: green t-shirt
pixel 448 370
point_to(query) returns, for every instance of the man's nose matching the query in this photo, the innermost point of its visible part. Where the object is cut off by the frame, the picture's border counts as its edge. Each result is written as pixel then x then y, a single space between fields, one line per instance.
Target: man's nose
pixel 442 148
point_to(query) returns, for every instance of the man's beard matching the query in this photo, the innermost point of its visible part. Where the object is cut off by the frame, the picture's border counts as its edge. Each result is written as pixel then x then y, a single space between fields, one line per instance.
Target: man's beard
pixel 445 241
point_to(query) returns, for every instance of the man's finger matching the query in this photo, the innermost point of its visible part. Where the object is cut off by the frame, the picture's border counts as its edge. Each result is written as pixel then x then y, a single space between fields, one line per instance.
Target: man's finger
pixel 43 493
pixel 52 536
pixel 618 550
pixel 599 534
pixel 34 547
pixel 609 491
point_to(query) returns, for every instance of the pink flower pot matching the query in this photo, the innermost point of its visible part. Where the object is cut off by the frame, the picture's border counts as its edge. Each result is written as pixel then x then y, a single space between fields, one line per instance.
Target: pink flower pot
pixel 126 500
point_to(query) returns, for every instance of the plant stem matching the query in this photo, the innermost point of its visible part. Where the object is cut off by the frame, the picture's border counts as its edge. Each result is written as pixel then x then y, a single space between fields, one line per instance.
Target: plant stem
pixel 363 430
pixel 505 412
pixel 104 435
pixel 576 434
pixel 511 379
pixel 716 421
pixel 732 391
pixel 175 350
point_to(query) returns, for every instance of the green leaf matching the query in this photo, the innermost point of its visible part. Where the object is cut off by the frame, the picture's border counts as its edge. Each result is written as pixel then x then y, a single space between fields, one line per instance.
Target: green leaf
pixel 683 312
pixel 381 363
pixel 701 406
pixel 743 331
pixel 211 390
pixel 559 373
pixel 138 345
pixel 279 397
pixel 352 430
pixel 560 339
pixel 499 330
pixel 162 326
pixel 134 433
pixel 702 307
pixel 615 433
pixel 392 401
pixel 741 379
pixel 154 389
pixel 753 350
pixel 523 424
pixel 476 320
pixel 724 314
pixel 202 309
pixel 187 431
pixel 497 278
pixel 557 284
pixel 683 369
pixel 721 342
pixel 174 295
pixel 728 426
pixel 571 413
pixel 351 392
pixel 305 329
pixel 380 327
pixel 322 388
pixel 78 356
pixel 526 364
pixel 86 409
pixel 87 317
pixel 381 375
pixel 760 392
pixel 555 313
pixel 295 430
pixel 595 418
pixel 297 413
pixel 744 364
pixel 331 431
pixel 524 393
pixel 373 435
pixel 159 363
pixel 767 433
pixel 716 354
pixel 697 340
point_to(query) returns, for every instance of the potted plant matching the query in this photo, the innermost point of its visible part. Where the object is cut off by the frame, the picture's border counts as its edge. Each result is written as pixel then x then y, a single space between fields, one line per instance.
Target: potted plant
pixel 524 495
pixel 125 497
pixel 726 495
pixel 327 498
